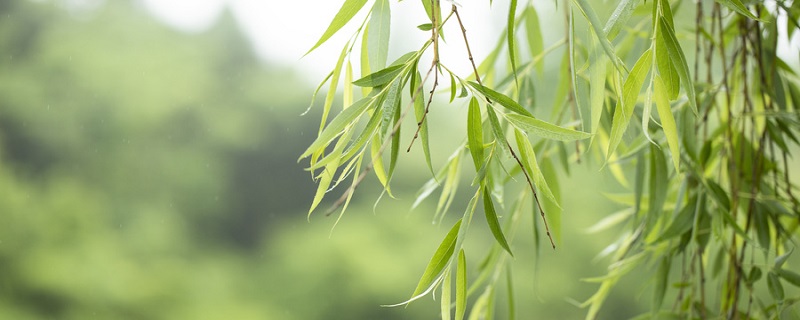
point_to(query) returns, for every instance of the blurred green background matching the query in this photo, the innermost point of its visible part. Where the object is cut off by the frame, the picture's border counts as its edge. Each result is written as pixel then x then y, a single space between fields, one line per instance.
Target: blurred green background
pixel 147 173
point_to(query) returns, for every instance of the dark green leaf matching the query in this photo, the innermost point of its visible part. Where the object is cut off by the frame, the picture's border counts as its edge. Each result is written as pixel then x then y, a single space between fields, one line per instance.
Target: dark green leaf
pixel 494 223
pixel 500 98
pixel 475 133
pixel 775 286
pixel 790 276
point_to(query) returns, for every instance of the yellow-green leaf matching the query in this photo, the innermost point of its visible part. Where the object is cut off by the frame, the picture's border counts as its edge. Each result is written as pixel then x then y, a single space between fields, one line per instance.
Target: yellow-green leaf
pixel 545 129
pixel 439 260
pixel 533 32
pixel 378 34
pixel 630 93
pixel 380 77
pixel 337 125
pixel 461 285
pixel 667 121
pixel 346 12
pixel 679 61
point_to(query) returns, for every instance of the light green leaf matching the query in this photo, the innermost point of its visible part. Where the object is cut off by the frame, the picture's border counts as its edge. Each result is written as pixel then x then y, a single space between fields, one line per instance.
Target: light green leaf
pixel 544 129
pixel 475 133
pixel 774 286
pixel 500 98
pixel 377 163
pixel 681 224
pixel 446 294
pixel 662 278
pixel 672 81
pixel 598 88
pixel 461 285
pixel 378 34
pixel 737 6
pixel 512 14
pixel 346 12
pixel 512 310
pixel 658 176
pixel 679 61
pixel 551 207
pixel 533 32
pixel 780 260
pixel 630 93
pixel 528 159
pixel 452 87
pixel 439 260
pixel 667 121
pixel 497 129
pixel 379 78
pixel 419 113
pixel 619 17
pixel 595 24
pixel 337 125
pixel 493 222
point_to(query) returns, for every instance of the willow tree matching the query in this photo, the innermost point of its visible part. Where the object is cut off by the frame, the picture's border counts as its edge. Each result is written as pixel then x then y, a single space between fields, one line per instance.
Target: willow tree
pixel 707 123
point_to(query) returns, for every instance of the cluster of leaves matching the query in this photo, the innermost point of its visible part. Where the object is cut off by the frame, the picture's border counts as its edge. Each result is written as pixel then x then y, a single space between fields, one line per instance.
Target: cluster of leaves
pixel 726 195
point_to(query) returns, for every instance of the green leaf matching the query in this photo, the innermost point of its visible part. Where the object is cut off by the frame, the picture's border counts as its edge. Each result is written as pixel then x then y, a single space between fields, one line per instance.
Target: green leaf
pixel 630 93
pixel 438 261
pixel 497 129
pixel 737 6
pixel 337 125
pixel 679 61
pixel 528 159
pixel 552 207
pixel 346 12
pixel 662 278
pixel 425 27
pixel 446 294
pixel 680 224
pixel 545 129
pixel 790 276
pixel 390 104
pixel 452 87
pixel 667 121
pixel 379 78
pixel 500 98
pixel 658 178
pixel 594 23
pixel 512 14
pixel 461 285
pixel 533 32
pixel 670 77
pixel 512 310
pixel 494 223
pixel 475 133
pixel 774 286
pixel 378 34
pixel 419 113
pixel 619 17
pixel 780 260
pixel 598 88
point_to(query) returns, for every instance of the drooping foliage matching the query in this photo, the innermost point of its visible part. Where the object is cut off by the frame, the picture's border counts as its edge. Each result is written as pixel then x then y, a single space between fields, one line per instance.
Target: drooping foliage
pixel 712 210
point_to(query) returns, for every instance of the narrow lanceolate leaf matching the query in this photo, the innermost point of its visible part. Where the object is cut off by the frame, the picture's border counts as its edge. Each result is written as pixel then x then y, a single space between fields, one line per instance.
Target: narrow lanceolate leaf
pixel 461 285
pixel 545 129
pixel 775 287
pixel 667 71
pixel 378 34
pixel 438 261
pixel 497 129
pixel 512 14
pixel 475 133
pixel 662 278
pixel 595 24
pixel 551 207
pixel 679 61
pixel 534 33
pixel 667 121
pixel 419 113
pixel 346 12
pixel 790 276
pixel 500 98
pixel 630 93
pixel 618 19
pixel 737 6
pixel 658 176
pixel 493 222
pixel 379 78
pixel 598 88
pixel 446 294
pixel 337 125
pixel 528 159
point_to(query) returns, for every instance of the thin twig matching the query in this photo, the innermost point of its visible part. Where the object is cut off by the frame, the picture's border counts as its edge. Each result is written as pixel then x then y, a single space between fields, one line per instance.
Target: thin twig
pixel 434 65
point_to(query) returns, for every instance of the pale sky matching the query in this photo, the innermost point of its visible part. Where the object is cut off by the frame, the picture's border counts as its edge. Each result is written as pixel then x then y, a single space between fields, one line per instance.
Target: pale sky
pixel 282 31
